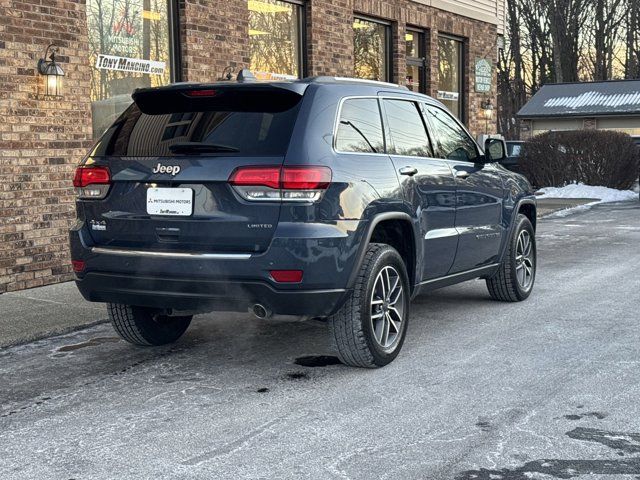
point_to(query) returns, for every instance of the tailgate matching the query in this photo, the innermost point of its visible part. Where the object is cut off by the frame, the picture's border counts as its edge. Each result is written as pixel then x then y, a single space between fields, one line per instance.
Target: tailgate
pixel 170 156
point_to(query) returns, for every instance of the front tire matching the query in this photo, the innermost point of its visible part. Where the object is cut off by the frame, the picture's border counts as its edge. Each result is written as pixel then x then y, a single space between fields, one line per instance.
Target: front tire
pixel 513 282
pixel 144 326
pixel 369 329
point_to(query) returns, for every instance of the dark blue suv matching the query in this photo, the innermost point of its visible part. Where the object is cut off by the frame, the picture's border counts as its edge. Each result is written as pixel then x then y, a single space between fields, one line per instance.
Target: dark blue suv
pixel 327 198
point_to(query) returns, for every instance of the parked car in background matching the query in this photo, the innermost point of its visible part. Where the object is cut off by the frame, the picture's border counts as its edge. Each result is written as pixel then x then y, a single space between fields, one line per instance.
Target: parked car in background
pixel 514 152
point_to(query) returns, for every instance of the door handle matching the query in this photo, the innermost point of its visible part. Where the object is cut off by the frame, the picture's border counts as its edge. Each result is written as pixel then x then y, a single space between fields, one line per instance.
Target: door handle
pixel 462 174
pixel 411 171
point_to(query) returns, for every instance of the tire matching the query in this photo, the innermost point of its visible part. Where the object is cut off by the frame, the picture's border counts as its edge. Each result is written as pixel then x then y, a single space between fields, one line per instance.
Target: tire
pixel 356 332
pixel 143 326
pixel 508 284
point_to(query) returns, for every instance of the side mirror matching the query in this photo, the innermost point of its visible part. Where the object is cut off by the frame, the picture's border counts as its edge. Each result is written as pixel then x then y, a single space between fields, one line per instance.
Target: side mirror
pixel 495 150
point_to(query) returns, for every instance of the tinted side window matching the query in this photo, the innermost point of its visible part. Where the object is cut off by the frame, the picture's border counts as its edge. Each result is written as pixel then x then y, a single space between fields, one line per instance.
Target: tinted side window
pixel 360 127
pixel 452 141
pixel 408 135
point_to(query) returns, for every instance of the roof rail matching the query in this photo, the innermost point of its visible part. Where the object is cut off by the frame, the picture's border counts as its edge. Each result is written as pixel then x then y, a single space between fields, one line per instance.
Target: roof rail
pixel 320 79
pixel 373 82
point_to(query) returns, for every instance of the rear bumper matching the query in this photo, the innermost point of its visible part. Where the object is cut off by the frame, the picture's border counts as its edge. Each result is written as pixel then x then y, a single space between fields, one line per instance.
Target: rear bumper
pixel 206 295
pixel 225 281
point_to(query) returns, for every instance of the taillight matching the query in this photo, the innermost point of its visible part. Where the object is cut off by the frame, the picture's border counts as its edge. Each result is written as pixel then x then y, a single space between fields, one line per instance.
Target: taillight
pixel 289 184
pixel 92 182
pixel 256 176
pixel 306 178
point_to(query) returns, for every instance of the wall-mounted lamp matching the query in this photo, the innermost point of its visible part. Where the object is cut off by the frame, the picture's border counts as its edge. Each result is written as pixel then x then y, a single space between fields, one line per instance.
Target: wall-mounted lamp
pixel 487 111
pixel 227 74
pixel 52 72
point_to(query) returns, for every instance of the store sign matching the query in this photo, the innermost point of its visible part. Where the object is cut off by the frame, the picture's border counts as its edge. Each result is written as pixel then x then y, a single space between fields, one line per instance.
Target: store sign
pixel 448 95
pixel 484 75
pixel 270 76
pixel 131 65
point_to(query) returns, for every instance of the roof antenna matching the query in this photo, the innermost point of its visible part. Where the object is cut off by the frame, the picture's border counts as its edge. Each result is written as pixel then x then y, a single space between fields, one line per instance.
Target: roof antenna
pixel 245 75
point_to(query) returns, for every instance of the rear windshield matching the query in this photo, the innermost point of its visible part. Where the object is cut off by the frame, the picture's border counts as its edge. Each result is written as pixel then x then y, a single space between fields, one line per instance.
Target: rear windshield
pixel 208 132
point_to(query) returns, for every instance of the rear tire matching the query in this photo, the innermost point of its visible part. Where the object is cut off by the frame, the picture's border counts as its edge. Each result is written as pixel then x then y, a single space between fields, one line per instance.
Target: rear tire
pixel 144 326
pixel 516 274
pixel 369 329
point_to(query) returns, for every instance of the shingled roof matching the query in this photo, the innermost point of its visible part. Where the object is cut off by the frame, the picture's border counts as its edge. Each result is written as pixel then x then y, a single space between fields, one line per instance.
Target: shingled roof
pixel 586 99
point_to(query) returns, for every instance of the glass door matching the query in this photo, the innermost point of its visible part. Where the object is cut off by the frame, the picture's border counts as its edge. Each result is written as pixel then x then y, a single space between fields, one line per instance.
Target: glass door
pixel 416 78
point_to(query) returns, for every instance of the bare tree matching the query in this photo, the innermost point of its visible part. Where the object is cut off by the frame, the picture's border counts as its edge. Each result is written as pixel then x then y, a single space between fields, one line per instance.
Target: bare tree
pixel 511 86
pixel 566 20
pixel 607 19
pixel 632 47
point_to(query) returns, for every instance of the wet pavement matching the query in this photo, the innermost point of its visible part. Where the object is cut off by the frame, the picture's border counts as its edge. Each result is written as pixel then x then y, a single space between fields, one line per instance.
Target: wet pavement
pixel 543 389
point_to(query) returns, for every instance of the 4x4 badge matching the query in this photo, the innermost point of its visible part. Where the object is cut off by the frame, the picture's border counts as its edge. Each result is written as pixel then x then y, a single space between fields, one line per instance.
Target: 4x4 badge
pixel 171 169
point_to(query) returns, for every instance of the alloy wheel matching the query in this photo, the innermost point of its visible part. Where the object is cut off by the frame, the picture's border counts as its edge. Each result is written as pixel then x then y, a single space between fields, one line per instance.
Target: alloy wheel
pixel 387 308
pixel 524 260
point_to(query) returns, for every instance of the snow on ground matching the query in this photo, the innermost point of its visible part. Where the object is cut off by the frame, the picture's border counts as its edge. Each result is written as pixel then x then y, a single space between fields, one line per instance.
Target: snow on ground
pixel 579 190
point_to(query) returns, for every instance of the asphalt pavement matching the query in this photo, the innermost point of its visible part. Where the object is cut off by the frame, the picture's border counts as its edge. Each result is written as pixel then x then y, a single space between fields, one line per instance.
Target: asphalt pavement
pixel 543 389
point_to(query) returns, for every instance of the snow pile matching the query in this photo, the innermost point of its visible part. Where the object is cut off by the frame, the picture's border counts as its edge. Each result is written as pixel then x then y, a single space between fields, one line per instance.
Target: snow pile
pixel 602 194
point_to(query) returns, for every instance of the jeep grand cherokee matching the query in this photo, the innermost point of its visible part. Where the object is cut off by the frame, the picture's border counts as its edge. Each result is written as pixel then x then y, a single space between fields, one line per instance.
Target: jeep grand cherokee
pixel 322 198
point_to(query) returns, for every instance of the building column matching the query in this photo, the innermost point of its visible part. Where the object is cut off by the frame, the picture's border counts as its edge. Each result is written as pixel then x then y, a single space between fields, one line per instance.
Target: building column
pixel 214 36
pixel 328 25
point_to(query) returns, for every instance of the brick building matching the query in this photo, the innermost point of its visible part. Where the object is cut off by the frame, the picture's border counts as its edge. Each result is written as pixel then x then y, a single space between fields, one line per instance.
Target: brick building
pixel 445 48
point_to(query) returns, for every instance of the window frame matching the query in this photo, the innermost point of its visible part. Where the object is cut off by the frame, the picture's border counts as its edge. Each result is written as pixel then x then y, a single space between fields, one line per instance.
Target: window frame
pixel 437 151
pixel 462 99
pixel 302 35
pixel 388 43
pixel 175 46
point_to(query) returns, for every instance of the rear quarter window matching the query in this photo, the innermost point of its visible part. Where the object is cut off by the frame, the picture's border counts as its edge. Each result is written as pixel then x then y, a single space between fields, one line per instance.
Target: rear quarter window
pixel 360 127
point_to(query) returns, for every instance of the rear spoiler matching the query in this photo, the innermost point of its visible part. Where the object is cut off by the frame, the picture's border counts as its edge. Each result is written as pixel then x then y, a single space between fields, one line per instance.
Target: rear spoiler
pixel 237 97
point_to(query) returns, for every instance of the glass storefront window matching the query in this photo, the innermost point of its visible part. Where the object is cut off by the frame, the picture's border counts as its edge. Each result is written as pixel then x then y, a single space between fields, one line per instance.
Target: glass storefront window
pixel 414 51
pixel 129 44
pixel 371 50
pixel 450 91
pixel 275 37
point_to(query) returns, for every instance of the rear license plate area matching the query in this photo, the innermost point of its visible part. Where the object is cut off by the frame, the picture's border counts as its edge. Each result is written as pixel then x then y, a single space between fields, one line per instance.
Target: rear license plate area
pixel 174 202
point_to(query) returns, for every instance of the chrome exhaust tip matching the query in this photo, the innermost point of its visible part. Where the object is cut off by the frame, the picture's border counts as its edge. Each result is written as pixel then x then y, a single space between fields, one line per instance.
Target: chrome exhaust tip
pixel 261 312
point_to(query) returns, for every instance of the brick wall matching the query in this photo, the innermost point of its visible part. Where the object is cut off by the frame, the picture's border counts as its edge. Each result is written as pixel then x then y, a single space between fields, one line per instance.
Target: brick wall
pixel 41 140
pixel 328 24
pixel 214 35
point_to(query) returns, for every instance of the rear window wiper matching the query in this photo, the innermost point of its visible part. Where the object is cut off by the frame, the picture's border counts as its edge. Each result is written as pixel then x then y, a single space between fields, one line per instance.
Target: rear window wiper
pixel 198 147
